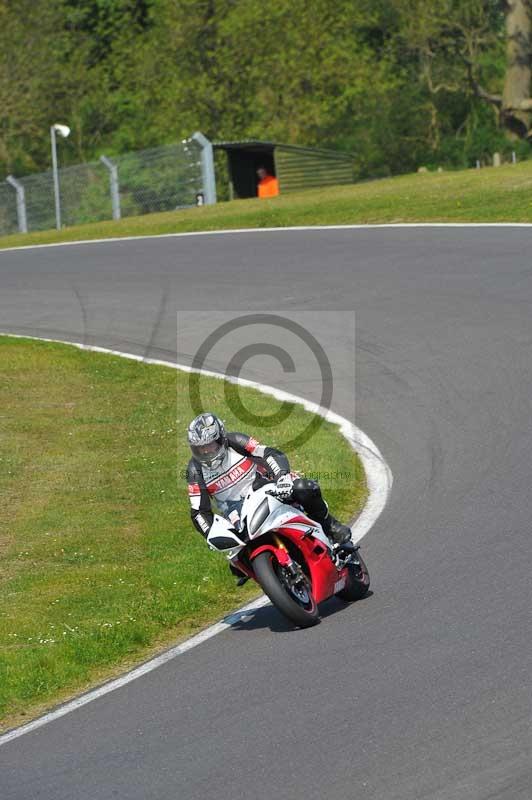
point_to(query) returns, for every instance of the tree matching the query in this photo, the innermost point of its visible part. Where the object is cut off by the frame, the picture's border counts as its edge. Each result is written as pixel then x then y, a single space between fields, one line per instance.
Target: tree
pixel 443 43
pixel 26 69
pixel 397 82
pixel 514 104
pixel 473 45
pixel 312 72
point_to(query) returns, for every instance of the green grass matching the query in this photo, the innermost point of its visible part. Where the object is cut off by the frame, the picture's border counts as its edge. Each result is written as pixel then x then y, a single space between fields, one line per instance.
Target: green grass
pixel 99 563
pixel 501 194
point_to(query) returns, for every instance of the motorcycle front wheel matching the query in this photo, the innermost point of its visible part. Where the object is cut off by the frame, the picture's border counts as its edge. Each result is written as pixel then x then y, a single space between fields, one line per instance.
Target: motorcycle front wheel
pixel 295 602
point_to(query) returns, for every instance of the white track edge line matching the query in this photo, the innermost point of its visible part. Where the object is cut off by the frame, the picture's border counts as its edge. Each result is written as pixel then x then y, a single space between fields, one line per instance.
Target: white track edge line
pixel 378 477
pixel 289 228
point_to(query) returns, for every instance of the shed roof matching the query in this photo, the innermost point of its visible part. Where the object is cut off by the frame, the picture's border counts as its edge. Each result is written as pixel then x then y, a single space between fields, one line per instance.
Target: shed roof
pixel 244 144
pixel 257 144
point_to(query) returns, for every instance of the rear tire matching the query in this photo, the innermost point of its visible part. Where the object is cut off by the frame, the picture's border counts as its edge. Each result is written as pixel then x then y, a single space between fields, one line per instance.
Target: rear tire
pixel 266 568
pixel 357 581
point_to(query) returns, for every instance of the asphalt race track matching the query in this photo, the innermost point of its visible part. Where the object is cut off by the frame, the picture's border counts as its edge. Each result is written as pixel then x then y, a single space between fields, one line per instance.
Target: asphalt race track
pixel 422 690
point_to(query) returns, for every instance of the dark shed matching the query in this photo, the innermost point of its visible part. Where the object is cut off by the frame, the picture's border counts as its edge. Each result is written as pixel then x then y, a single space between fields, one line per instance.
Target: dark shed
pixel 295 167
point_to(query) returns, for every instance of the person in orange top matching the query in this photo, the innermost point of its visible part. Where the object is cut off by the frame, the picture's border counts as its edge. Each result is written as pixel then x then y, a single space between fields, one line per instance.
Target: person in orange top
pixel 268 186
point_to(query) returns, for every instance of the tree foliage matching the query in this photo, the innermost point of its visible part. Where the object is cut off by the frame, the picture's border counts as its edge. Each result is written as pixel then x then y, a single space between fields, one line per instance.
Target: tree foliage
pixel 398 82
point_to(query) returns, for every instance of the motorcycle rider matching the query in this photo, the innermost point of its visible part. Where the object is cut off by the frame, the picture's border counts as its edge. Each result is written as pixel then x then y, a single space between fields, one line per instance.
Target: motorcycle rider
pixel 225 465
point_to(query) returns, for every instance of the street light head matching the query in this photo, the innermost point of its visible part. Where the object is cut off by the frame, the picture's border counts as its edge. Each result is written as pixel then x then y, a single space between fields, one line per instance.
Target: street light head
pixel 62 130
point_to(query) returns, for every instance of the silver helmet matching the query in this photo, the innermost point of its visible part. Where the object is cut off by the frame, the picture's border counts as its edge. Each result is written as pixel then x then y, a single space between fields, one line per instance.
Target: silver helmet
pixel 207 439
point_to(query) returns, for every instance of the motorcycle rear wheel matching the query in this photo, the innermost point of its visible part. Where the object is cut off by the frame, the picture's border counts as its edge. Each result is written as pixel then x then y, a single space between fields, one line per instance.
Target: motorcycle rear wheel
pixel 357 581
pixel 300 606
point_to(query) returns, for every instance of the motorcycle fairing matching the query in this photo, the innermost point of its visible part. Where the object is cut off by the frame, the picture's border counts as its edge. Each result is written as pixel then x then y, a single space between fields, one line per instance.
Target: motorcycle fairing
pixel 262 514
pixel 223 537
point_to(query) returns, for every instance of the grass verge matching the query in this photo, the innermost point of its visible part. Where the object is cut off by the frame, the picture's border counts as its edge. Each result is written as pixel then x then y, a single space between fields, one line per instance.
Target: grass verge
pixel 488 195
pixel 99 564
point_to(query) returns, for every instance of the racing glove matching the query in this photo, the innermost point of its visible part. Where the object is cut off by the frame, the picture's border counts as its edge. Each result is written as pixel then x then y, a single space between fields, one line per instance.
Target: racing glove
pixel 285 486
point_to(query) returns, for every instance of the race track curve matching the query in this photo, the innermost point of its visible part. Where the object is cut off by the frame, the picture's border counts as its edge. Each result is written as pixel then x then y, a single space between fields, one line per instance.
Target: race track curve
pixel 422 690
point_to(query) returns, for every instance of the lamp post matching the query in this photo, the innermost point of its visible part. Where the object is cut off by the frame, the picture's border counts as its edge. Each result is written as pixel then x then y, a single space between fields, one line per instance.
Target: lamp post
pixel 62 130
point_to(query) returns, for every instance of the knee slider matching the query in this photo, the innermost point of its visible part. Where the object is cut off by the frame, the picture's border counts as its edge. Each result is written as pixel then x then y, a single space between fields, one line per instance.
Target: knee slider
pixel 306 489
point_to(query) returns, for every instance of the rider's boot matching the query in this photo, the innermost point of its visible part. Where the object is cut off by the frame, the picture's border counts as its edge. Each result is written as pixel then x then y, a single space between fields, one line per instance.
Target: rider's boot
pixel 242 578
pixel 337 532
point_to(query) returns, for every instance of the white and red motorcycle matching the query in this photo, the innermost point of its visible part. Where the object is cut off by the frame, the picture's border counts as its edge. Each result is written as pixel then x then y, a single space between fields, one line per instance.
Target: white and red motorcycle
pixel 289 556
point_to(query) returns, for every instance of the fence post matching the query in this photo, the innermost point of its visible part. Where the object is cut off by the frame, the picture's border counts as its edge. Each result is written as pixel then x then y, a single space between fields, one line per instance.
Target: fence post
pixel 207 168
pixel 113 185
pixel 21 203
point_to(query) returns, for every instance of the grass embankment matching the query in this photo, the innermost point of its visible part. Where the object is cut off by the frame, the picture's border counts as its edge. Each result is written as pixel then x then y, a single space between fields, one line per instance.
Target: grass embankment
pixel 488 195
pixel 99 564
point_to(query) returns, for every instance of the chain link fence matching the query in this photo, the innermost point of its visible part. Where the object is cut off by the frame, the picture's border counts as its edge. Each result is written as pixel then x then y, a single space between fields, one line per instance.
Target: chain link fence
pixel 8 209
pixel 159 179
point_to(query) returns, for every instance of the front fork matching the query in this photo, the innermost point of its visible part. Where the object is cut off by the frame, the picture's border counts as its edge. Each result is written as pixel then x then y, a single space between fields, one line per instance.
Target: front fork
pixel 281 554
pixel 291 568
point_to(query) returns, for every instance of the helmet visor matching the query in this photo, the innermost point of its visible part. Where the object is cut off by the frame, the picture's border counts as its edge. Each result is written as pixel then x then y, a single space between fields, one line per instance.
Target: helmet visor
pixel 207 453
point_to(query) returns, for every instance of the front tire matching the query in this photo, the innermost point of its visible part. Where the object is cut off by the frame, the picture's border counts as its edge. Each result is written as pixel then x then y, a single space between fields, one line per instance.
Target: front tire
pixel 357 581
pixel 298 606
